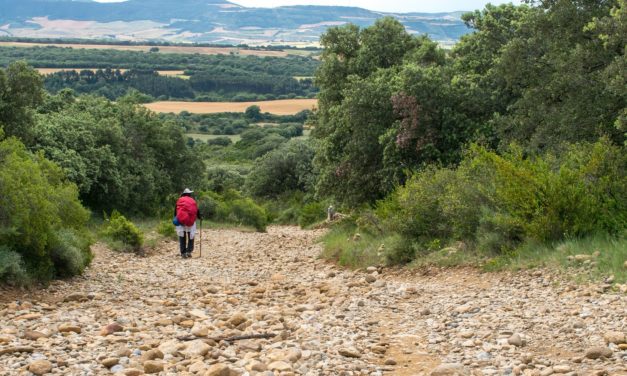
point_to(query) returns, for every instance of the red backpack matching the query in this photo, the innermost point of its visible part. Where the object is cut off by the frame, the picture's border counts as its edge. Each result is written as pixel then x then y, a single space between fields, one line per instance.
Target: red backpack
pixel 186 211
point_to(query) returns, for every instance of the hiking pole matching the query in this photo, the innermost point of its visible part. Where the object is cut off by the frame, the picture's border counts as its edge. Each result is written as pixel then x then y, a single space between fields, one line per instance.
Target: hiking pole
pixel 200 255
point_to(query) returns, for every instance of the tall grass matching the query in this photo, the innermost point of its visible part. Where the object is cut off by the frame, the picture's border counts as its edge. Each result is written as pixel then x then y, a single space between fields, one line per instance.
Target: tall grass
pixel 611 251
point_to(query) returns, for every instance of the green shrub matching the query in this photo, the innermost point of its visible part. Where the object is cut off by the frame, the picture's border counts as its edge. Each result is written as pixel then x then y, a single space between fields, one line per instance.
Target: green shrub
pixel 11 267
pixel 285 209
pixel 37 206
pixel 246 212
pixel 400 252
pixel 70 253
pixel 166 229
pixel 120 229
pixel 312 213
pixel 499 202
pixel 211 206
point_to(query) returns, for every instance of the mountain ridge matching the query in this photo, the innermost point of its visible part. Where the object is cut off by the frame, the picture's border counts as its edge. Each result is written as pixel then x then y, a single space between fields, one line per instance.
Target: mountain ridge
pixel 217 21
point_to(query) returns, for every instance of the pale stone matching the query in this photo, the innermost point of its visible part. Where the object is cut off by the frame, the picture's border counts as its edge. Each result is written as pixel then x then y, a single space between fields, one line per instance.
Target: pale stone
pixel 598 352
pixel 515 340
pixel 218 369
pixel 66 328
pixel 153 366
pixel 40 367
pixel 237 319
pixel 280 366
pixel 196 348
pixel 615 337
pixel 110 362
pixel 349 352
pixel 449 369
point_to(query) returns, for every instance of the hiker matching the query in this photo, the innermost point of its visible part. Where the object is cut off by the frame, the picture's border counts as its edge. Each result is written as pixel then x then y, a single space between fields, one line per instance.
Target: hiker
pixel 185 215
pixel 330 213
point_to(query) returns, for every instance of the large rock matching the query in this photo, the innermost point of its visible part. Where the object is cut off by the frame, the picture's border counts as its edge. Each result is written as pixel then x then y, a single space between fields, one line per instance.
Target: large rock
pixel 34 335
pixel 110 362
pixel 218 369
pixel 280 366
pixel 153 366
pixel 40 367
pixel 76 297
pixel 171 347
pixel 111 328
pixel 257 366
pixel 598 352
pixel 152 355
pixel 615 337
pixel 349 352
pixel 562 368
pixel 449 369
pixel 197 368
pixel 515 340
pixel 195 349
pixel 66 328
pixel 200 330
pixel 237 319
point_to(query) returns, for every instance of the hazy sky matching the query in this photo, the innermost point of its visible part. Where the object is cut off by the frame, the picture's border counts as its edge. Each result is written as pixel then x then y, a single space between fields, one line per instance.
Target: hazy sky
pixel 385 6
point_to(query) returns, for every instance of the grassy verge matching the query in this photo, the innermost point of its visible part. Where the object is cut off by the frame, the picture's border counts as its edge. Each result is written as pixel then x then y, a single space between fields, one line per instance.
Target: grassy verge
pixel 590 259
pixel 348 247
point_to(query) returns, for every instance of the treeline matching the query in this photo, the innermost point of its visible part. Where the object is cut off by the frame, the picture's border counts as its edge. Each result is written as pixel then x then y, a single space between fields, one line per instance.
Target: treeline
pixel 207 77
pixel 517 135
pixel 60 152
pixel 113 84
pixel 231 123
pixel 207 86
pixel 60 57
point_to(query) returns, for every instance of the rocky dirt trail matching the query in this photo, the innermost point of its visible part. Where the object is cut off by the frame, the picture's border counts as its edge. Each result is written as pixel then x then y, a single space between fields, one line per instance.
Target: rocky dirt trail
pixel 159 314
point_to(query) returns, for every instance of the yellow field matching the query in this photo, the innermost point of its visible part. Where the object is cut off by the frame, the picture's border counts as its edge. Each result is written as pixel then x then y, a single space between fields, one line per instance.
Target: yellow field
pixel 278 107
pixel 164 49
pixel 173 73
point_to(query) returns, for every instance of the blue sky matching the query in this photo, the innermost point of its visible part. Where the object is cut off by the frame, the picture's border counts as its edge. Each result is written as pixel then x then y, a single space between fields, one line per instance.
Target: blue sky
pixel 385 6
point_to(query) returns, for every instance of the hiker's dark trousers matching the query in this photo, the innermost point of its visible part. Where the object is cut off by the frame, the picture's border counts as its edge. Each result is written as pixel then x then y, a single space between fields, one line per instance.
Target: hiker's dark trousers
pixel 186 244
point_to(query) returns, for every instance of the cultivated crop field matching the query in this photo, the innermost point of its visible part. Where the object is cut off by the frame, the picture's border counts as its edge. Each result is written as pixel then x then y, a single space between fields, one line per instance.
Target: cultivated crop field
pixel 171 73
pixel 207 137
pixel 278 107
pixel 164 49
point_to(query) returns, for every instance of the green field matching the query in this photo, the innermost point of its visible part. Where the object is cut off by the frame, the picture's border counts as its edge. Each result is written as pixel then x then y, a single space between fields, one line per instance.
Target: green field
pixel 205 137
pixel 234 137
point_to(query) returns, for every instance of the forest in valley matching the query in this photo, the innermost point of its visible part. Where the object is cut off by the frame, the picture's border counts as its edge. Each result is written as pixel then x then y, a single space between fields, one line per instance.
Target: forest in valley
pixel 113 74
pixel 508 150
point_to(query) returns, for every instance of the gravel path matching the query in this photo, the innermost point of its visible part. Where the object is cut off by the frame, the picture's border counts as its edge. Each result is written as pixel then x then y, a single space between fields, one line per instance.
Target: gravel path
pixel 160 314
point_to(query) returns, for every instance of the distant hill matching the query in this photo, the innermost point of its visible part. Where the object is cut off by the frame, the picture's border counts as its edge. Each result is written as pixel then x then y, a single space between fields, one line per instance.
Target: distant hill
pixel 207 21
